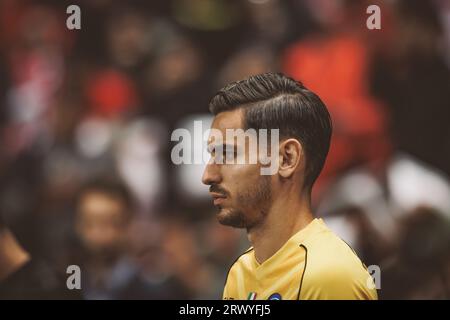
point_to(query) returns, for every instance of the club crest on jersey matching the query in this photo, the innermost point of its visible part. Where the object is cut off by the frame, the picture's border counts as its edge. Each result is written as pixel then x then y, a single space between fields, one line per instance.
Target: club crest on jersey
pixel 275 296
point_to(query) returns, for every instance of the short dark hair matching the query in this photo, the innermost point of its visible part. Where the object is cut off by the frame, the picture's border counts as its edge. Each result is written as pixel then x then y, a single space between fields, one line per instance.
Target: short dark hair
pixel 110 186
pixel 275 101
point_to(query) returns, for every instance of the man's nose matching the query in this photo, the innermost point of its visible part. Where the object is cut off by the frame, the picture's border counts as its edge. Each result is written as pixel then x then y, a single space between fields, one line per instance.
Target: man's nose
pixel 211 175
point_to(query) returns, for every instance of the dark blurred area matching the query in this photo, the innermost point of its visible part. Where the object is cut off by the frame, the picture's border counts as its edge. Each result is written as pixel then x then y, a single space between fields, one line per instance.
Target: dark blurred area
pixel 86 118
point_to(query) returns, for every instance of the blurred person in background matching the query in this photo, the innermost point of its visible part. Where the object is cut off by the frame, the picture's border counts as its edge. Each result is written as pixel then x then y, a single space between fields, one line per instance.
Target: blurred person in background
pixel 334 62
pixel 411 76
pixel 365 239
pixel 220 245
pixel 188 268
pixel 420 268
pixel 104 209
pixel 25 277
pixel 151 249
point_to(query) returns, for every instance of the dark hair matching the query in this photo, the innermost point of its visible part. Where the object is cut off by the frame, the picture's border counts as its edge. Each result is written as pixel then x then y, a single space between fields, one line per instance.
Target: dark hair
pixel 109 186
pixel 275 101
pixel 425 238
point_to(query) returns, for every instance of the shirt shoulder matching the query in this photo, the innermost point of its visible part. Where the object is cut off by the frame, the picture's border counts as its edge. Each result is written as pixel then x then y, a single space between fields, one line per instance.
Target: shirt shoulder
pixel 333 270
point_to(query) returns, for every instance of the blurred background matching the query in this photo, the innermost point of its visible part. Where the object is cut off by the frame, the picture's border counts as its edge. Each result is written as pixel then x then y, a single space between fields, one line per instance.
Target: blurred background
pixel 86 118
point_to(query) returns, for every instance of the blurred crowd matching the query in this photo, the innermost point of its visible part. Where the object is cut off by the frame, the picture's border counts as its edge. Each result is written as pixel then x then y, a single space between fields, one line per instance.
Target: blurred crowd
pixel 86 118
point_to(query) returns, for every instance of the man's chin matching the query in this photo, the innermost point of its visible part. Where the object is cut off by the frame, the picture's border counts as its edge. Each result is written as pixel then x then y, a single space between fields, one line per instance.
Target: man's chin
pixel 228 217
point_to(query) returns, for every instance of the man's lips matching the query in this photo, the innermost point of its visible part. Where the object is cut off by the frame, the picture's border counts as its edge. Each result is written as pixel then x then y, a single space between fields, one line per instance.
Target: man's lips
pixel 218 201
pixel 218 198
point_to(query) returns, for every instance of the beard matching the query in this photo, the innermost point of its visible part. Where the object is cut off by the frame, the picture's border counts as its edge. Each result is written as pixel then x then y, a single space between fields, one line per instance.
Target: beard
pixel 254 199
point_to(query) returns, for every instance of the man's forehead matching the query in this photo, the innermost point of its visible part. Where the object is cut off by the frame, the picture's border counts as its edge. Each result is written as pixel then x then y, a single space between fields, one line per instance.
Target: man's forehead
pixel 228 120
pixel 223 122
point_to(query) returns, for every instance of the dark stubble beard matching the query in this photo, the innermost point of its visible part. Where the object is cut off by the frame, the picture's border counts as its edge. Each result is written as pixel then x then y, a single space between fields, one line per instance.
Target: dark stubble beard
pixel 257 197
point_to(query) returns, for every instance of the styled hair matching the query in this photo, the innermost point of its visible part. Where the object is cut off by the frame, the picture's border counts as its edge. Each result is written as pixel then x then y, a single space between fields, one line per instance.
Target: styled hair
pixel 275 101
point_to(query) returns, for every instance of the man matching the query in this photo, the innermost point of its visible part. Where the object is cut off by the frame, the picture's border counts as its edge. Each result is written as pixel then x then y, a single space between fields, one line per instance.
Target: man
pixel 293 254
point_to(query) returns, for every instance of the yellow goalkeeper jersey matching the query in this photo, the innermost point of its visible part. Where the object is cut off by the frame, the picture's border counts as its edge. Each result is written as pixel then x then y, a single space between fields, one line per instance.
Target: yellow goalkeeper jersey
pixel 312 264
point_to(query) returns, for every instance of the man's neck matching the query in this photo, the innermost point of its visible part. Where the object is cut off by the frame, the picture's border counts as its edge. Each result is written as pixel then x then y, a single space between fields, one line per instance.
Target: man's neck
pixel 12 255
pixel 286 217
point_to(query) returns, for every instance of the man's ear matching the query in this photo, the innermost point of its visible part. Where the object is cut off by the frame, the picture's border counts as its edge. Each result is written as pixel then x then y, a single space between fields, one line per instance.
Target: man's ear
pixel 291 157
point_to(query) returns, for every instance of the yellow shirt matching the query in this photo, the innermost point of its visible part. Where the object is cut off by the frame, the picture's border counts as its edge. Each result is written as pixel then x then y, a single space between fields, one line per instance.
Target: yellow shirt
pixel 312 264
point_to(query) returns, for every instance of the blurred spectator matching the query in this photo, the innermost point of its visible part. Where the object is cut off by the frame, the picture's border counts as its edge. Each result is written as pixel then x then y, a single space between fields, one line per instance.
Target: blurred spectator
pixel 104 209
pixel 111 94
pixel 411 76
pixel 334 63
pixel 176 81
pixel 128 36
pixel 372 248
pixel 251 59
pixel 37 68
pixel 421 267
pixel 221 246
pixel 184 260
pixel 25 277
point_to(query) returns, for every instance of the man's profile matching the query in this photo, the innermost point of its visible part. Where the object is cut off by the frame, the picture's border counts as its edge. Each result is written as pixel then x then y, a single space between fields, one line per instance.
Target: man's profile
pixel 293 254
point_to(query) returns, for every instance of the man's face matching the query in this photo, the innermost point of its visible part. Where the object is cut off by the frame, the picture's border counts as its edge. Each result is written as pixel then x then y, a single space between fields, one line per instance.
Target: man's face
pixel 241 194
pixel 101 223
